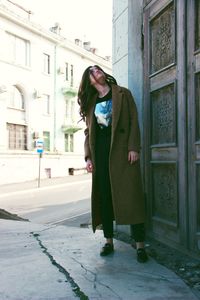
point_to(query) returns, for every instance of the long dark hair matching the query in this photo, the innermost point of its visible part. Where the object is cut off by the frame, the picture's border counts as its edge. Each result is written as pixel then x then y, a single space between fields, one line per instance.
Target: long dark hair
pixel 87 91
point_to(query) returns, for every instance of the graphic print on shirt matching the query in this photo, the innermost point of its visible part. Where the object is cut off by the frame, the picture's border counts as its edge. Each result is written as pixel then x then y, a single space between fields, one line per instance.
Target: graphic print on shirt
pixel 103 113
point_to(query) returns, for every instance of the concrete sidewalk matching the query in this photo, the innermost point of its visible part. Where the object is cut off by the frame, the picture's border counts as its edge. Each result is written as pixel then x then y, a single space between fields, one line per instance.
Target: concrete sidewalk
pixel 57 262
pixel 44 182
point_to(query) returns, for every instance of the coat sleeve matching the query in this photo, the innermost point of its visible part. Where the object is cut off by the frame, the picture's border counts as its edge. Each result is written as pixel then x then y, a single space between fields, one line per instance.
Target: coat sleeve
pixel 134 132
pixel 86 144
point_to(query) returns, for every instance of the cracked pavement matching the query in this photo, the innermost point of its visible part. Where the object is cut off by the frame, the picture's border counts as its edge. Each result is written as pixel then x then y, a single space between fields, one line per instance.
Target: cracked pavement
pixel 40 262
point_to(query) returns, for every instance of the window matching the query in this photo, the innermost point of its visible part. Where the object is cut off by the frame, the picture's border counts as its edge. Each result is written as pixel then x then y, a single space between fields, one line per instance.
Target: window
pixel 18 50
pixel 17 136
pixel 46 138
pixel 67 109
pixel 16 99
pixel 46 63
pixel 72 75
pixel 66 71
pixel 70 110
pixel 46 104
pixel 69 142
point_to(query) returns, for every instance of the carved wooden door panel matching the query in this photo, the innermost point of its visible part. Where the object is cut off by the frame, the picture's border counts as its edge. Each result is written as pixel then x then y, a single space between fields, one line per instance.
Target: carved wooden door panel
pixel 193 97
pixel 164 120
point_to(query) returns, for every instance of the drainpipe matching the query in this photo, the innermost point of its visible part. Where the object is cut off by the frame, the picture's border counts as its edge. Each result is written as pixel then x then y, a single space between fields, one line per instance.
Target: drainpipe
pixel 55 98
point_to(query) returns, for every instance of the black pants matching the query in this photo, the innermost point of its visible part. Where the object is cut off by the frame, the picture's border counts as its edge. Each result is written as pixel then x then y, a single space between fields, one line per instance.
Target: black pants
pixel 103 138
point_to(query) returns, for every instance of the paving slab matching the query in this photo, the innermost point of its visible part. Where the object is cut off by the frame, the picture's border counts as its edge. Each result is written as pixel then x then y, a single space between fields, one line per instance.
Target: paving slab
pixel 118 276
pixel 39 262
pixel 25 272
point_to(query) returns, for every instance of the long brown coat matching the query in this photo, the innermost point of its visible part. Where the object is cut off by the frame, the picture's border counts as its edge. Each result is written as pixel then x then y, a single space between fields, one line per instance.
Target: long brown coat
pixel 126 183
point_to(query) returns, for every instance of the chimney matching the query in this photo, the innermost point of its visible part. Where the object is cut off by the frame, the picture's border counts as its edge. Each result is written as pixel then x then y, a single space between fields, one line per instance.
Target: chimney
pixel 56 28
pixel 78 42
pixel 93 50
pixel 87 45
pixel 108 57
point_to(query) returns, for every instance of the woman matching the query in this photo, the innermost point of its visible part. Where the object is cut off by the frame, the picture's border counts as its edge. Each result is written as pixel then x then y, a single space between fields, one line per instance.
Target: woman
pixel 112 146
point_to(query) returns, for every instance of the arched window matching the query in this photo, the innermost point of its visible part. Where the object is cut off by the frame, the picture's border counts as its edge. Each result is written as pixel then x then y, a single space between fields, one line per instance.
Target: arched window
pixel 16 98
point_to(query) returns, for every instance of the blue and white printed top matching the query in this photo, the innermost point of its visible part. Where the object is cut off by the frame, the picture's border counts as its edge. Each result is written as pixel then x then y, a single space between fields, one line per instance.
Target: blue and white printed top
pixel 103 110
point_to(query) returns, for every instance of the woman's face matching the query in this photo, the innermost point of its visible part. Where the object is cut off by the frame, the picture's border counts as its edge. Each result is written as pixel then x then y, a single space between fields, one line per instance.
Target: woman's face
pixel 96 75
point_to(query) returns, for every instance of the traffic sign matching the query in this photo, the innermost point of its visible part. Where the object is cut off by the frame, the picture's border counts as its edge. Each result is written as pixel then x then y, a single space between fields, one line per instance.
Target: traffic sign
pixel 40 146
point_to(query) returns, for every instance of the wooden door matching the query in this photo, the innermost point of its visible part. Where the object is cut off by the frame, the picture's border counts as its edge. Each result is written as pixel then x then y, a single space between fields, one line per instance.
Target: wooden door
pixel 165 130
pixel 193 104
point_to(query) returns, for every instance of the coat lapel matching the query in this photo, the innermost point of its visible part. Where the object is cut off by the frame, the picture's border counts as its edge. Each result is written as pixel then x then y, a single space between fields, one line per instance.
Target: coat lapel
pixel 116 107
pixel 92 119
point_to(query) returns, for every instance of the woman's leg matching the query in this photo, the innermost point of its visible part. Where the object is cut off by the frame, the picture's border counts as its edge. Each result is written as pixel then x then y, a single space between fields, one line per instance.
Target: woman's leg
pixel 104 187
pixel 138 233
pixel 106 210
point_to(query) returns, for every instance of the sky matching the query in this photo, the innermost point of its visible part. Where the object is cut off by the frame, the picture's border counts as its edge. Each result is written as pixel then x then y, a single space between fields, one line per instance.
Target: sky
pixel 88 20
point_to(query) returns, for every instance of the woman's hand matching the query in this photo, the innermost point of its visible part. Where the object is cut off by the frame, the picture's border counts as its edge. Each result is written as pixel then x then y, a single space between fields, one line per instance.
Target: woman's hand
pixel 133 156
pixel 89 165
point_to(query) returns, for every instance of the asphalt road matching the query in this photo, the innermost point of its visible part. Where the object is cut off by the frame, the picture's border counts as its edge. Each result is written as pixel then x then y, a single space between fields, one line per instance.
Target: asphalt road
pixel 63 201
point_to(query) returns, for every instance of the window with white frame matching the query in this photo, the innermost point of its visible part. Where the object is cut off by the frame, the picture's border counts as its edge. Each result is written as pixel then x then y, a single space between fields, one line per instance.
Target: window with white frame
pixel 69 142
pixel 17 136
pixel 18 50
pixel 70 110
pixel 72 75
pixel 46 139
pixel 45 104
pixel 46 63
pixel 67 109
pixel 16 99
pixel 66 71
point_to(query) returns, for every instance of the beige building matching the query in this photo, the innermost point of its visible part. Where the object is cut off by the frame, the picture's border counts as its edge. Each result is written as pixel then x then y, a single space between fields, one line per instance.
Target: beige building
pixel 40 71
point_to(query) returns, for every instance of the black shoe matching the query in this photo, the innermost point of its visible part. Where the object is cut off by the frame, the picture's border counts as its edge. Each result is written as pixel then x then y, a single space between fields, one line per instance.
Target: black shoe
pixel 141 255
pixel 107 249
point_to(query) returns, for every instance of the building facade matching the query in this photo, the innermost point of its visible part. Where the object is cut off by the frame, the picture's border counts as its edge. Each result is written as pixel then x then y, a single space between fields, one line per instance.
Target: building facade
pixel 40 74
pixel 159 42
